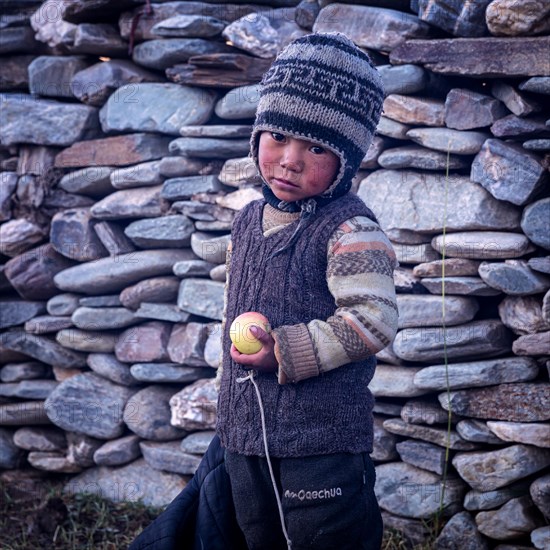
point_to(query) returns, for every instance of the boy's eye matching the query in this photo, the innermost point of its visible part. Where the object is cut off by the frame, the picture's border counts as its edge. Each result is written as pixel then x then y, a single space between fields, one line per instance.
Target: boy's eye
pixel 316 150
pixel 277 136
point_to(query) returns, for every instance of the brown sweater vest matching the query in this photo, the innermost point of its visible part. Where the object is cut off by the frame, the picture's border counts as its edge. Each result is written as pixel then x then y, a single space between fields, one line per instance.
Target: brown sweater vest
pixel 330 413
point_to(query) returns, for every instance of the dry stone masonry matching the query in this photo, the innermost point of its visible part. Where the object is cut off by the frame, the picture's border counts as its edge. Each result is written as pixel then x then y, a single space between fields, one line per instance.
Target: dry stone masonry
pixel 124 132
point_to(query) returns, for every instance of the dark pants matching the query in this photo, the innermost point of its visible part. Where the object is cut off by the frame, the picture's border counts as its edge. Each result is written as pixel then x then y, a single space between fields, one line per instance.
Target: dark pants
pixel 328 502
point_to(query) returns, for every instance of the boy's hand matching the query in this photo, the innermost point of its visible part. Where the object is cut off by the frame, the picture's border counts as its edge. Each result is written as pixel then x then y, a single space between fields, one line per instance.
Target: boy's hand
pixel 262 361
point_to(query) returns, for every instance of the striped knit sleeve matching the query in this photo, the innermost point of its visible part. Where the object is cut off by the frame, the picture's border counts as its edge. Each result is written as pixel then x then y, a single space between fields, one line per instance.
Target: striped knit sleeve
pixel 360 268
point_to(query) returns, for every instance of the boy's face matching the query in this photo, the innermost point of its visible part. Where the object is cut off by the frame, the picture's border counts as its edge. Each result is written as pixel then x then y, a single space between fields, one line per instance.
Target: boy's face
pixel 295 169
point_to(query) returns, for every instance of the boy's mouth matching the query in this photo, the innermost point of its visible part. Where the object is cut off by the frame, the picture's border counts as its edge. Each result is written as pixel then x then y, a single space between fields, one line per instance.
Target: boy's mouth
pixel 284 183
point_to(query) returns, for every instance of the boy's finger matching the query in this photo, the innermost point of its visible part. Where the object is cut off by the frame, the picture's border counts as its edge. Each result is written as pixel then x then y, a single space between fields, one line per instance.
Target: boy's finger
pixel 260 334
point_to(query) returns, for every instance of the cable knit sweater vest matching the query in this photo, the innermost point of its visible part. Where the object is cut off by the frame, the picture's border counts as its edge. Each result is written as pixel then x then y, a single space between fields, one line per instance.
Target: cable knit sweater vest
pixel 329 413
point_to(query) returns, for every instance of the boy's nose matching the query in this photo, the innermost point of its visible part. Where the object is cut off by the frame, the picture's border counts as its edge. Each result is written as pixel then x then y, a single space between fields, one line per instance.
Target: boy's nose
pixel 291 158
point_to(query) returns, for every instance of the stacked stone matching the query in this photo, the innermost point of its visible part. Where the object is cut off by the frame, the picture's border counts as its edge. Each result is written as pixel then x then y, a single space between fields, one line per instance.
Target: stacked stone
pixel 117 199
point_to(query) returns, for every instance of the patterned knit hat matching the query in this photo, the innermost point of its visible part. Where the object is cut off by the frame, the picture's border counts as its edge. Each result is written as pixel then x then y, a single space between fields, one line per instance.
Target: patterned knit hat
pixel 323 88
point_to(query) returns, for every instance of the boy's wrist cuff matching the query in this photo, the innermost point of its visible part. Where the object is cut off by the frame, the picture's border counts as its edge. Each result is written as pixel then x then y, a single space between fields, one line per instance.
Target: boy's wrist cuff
pixel 295 353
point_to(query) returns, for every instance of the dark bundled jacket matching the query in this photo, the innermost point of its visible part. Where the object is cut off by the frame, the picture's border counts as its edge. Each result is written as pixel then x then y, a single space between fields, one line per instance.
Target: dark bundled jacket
pixel 202 516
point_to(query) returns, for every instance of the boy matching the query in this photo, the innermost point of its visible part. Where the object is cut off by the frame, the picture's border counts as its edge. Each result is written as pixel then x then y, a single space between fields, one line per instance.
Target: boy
pixel 313 260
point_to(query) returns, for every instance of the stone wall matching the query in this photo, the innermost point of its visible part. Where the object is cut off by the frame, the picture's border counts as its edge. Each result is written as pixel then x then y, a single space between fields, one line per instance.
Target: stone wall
pixel 121 174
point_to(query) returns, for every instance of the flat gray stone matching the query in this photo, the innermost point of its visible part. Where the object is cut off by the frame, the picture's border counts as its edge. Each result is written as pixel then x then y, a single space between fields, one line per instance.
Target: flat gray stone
pixel 427 310
pixel 487 500
pixel 212 249
pixel 81 449
pixel 147 414
pixel 422 211
pixel 134 482
pixel 424 411
pixel 72 235
pixel 118 451
pixel 414 253
pixel 63 304
pixel 218 273
pixel 154 290
pixel 394 381
pixel 162 312
pixel 32 389
pixel 402 79
pixel 142 112
pixel 416 111
pixel 19 235
pixel 26 119
pixel 384 443
pixel 186 344
pixel 164 232
pixel 43 349
pixel 194 407
pixel 89 341
pixel 169 457
pixel 514 277
pixel 201 297
pixel 15 372
pixel 11 456
pixel 97 318
pixel 536 84
pixel 113 238
pixel 413 156
pixel 454 267
pixel 460 533
pixel 17 312
pixel 513 402
pixel 52 461
pixel 540 537
pixel 532 344
pixel 476 373
pixel 185 187
pixel 467 110
pixel 458 142
pixel 523 314
pixel 457 18
pixel 239 171
pixel 143 344
pixel 23 413
pixel 7 190
pixel 505 17
pixel 535 222
pixel 537 144
pixel 99 39
pixel 438 436
pixel 213 346
pixel 476 57
pixel 482 245
pixel 262 36
pixel 193 268
pixel 540 493
pixel 486 471
pixel 114 274
pixel 93 181
pixel 189 26
pixel 198 442
pixel 376 28
pixel 109 367
pixel 485 338
pixel 139 175
pixel 522 432
pixel 131 203
pixel 168 373
pixel 239 199
pixel 210 147
pixel 511 521
pixel 171 167
pixel 40 439
pixel 239 103
pixel 50 75
pixel 508 172
pixel 423 490
pixel 108 300
pixel 518 103
pixel 89 404
pixel 422 455
pixel 514 127
pixel 113 151
pixel 467 286
pixel 477 431
pixel 161 54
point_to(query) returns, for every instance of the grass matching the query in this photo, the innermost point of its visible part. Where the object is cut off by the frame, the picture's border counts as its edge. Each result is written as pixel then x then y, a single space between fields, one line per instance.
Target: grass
pixel 36 514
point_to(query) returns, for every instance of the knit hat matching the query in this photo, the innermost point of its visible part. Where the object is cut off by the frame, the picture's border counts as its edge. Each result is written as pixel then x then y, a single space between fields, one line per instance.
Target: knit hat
pixel 323 88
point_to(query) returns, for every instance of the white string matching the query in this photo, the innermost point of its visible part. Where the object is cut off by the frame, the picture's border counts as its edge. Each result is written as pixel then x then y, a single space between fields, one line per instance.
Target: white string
pixel 264 433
